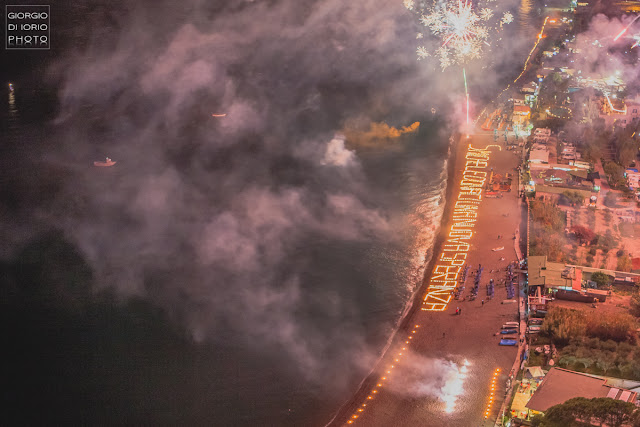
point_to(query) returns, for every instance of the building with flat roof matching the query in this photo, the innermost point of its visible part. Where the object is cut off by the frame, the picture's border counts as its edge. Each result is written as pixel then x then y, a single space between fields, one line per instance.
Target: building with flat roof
pixel 553 274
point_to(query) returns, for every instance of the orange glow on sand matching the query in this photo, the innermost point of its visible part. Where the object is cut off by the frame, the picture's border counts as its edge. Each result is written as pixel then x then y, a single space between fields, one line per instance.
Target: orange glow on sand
pixel 445 273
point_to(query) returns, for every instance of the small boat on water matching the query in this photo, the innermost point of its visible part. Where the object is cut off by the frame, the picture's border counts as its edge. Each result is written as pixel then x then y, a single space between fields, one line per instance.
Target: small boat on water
pixel 107 162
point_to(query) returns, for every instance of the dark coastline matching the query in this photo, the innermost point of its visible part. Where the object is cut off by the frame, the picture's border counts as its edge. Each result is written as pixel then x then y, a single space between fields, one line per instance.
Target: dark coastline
pixel 349 407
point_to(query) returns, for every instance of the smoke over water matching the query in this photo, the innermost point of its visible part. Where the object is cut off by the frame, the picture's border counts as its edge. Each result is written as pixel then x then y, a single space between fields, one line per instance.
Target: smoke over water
pixel 240 262
pixel 254 261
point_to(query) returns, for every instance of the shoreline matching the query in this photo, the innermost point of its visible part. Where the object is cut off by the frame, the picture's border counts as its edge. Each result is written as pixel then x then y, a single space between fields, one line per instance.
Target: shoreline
pixel 415 302
pixel 388 394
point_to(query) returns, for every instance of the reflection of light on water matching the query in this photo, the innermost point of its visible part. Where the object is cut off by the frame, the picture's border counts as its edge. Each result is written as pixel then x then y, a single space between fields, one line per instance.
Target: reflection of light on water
pixel 453 386
pixel 524 15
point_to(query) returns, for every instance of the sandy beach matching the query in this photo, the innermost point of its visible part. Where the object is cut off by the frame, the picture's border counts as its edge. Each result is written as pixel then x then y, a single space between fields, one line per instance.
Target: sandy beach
pixel 438 354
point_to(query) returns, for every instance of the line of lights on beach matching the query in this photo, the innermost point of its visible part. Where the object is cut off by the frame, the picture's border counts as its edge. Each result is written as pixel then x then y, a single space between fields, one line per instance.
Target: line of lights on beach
pixel 385 377
pixel 526 63
pixel 492 394
pixel 454 251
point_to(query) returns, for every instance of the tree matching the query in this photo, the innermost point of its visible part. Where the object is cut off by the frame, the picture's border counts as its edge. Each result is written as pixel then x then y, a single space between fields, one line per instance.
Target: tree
pixel 592 152
pixel 565 414
pixel 615 174
pixel 613 412
pixel 608 241
pixel 573 197
pixel 583 234
pixel 634 304
pixel 610 199
pixel 626 153
pixel 602 280
pixel 624 263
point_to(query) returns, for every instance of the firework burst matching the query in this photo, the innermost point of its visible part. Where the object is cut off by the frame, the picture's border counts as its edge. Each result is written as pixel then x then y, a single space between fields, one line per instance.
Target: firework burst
pixel 463 32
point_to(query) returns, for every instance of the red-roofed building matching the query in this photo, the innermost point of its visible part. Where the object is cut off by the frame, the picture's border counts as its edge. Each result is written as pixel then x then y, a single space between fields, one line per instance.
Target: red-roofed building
pixel 560 385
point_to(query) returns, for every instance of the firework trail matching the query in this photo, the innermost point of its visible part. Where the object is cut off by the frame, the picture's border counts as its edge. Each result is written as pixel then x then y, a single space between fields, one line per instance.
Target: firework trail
pixel 463 32
pixel 466 92
pixel 624 30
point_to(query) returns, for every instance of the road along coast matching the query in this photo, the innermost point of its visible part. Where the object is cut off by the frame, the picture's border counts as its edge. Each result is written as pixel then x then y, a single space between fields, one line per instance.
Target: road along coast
pixel 444 368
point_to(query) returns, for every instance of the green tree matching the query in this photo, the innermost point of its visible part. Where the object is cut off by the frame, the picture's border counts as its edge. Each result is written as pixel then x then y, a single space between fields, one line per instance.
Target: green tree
pixel 612 412
pixel 581 411
pixel 565 414
pixel 603 280
pixel 615 174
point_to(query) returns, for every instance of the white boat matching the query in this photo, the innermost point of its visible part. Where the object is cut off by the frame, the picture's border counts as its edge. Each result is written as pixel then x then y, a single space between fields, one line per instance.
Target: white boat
pixel 107 162
pixel 498 249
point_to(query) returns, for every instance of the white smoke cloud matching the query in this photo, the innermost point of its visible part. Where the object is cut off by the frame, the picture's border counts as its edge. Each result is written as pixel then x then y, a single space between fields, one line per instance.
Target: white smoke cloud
pixel 440 379
pixel 337 154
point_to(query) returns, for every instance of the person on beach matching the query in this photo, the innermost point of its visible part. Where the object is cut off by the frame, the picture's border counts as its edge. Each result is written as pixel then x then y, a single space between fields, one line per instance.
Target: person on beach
pixel 482 302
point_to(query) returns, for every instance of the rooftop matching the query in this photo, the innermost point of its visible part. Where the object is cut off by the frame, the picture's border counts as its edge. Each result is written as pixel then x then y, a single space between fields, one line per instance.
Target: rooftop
pixel 560 385
pixel 550 274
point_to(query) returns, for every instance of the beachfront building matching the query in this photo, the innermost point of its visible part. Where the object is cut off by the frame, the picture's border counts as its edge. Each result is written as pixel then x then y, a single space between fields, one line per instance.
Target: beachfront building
pixel 538 391
pixel 553 280
pixel 555 193
pixel 560 385
pixel 553 275
pixel 551 181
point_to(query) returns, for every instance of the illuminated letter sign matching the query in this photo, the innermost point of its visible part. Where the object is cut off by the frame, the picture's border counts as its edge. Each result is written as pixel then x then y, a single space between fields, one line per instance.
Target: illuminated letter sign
pixel 454 250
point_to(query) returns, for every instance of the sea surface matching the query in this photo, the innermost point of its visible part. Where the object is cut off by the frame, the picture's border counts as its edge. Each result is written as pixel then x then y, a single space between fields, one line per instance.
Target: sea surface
pixel 82 349
pixel 232 383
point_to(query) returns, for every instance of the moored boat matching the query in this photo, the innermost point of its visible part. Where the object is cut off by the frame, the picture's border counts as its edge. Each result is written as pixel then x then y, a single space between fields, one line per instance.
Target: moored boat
pixel 107 162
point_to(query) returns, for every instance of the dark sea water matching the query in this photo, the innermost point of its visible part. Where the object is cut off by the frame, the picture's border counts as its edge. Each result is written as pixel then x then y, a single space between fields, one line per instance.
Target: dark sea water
pixel 105 358
pixel 110 316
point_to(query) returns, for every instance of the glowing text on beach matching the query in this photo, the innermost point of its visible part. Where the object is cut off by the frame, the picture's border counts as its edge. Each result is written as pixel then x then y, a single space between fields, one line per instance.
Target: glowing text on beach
pixel 454 250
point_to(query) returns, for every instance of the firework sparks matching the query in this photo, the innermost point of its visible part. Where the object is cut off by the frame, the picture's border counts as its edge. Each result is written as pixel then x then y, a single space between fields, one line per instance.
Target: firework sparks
pixel 409 4
pixel 463 31
pixel 486 14
pixel 422 52
pixel 458 26
pixel 507 18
